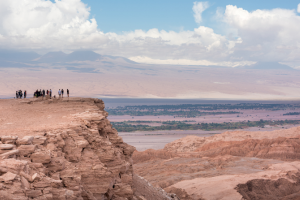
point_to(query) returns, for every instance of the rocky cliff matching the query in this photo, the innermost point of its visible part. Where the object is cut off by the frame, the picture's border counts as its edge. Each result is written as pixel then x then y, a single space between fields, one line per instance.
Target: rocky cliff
pixel 86 160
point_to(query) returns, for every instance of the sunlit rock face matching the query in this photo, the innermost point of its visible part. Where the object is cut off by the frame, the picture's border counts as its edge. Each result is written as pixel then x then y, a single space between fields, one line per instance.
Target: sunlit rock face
pixel 82 158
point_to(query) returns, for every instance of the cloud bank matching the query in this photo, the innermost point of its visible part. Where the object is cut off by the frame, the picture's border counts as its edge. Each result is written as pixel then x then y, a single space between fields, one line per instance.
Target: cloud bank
pixel 260 35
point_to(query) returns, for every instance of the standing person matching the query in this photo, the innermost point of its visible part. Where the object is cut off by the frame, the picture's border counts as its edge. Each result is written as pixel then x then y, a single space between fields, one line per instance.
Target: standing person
pixel 62 93
pixel 50 93
pixel 68 92
pixel 47 92
pixel 25 94
pixel 43 93
pixel 21 94
pixel 17 96
pixel 59 93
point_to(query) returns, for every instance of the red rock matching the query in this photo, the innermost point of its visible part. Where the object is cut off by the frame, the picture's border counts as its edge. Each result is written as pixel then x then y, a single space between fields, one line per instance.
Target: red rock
pixel 40 157
pixel 26 140
pixel 25 150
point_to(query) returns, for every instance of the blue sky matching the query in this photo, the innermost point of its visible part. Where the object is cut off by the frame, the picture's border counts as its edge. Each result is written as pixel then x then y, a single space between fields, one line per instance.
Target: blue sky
pixel 119 15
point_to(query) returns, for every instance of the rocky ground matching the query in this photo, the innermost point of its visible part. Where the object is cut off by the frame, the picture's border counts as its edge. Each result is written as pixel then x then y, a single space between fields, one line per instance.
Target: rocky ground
pixel 232 165
pixel 59 149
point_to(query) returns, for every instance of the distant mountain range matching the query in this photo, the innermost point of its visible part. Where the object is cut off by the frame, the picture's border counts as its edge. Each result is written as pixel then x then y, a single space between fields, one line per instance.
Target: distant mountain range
pixel 268 65
pixel 10 58
pixel 54 57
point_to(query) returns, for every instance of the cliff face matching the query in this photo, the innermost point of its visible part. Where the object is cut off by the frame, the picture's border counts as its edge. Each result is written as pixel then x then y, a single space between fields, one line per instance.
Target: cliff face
pixel 87 160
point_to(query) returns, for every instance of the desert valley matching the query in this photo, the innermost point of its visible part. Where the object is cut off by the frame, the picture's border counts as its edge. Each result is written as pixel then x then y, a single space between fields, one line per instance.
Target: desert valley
pixel 149 100
pixel 68 149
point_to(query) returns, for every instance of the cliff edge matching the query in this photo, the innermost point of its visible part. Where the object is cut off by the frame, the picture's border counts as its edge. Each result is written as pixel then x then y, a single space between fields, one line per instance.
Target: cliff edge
pixel 62 149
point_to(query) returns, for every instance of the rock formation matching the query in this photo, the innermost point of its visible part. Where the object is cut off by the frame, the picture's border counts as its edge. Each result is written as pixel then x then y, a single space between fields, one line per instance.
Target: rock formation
pixel 89 161
pixel 232 165
pixel 63 150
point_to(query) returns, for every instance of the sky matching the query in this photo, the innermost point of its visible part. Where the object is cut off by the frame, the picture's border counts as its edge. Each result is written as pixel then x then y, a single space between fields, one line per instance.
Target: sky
pixel 225 32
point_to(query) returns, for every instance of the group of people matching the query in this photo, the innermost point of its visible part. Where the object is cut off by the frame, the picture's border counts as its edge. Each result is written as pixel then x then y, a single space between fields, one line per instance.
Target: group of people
pixel 61 93
pixel 19 94
pixel 41 93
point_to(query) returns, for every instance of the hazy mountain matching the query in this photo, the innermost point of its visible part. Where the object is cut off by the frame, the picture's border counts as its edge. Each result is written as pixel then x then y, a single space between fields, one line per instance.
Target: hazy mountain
pixel 17 56
pixel 50 57
pixel 267 65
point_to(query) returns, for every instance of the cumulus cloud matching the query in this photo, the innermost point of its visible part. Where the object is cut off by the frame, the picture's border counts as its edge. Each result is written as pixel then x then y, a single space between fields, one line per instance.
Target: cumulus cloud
pixel 269 35
pixel 298 9
pixel 66 25
pixel 44 24
pixel 198 9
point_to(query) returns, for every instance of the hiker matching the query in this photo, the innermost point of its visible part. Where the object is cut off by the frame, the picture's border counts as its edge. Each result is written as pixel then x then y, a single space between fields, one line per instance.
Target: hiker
pixel 47 92
pixel 50 93
pixel 59 93
pixel 25 94
pixel 62 93
pixel 43 93
pixel 20 94
pixel 17 94
pixel 68 92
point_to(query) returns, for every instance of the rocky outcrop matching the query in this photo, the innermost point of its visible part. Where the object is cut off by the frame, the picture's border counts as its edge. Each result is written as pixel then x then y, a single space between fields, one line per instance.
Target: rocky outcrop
pixel 89 161
pixel 191 143
pixel 279 148
pixel 231 165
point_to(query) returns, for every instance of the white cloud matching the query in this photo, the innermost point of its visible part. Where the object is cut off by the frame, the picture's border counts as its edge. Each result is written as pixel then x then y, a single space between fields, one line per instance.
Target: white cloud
pixel 143 59
pixel 267 35
pixel 298 9
pixel 198 9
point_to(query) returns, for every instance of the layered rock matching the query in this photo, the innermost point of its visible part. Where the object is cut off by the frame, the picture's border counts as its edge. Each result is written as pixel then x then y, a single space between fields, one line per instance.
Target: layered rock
pixel 86 161
pixel 232 165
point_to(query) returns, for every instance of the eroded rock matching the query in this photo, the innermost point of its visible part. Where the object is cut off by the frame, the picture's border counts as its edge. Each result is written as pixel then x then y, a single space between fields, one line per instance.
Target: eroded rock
pixel 74 162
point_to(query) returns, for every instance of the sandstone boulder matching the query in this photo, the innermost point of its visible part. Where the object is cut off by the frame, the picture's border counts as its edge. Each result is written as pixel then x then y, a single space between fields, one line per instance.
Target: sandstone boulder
pixel 39 140
pixel 34 193
pixel 25 150
pixel 40 157
pixel 7 177
pixel 13 165
pixel 9 153
pixel 25 140
pixel 6 146
pixel 9 139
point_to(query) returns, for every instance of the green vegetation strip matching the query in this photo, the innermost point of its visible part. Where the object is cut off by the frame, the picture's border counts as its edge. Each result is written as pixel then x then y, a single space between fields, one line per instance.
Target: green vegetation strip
pixel 292 113
pixel 177 125
pixel 193 110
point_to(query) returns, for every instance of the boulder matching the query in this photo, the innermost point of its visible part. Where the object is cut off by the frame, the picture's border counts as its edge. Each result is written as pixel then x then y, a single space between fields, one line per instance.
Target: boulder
pixel 6 146
pixel 33 193
pixel 13 165
pixel 25 150
pixel 25 140
pixel 7 177
pixel 25 183
pixel 39 140
pixel 9 153
pixel 9 139
pixel 40 157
